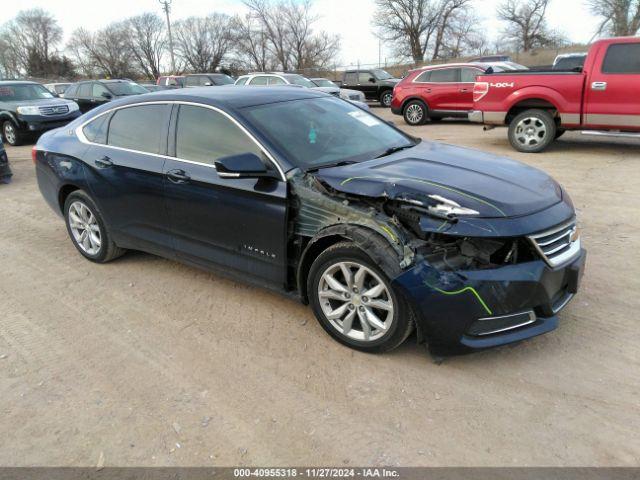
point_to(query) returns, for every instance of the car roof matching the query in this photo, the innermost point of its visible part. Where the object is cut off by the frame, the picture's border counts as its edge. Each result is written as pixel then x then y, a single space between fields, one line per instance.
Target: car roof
pixel 449 65
pixel 18 82
pixel 227 96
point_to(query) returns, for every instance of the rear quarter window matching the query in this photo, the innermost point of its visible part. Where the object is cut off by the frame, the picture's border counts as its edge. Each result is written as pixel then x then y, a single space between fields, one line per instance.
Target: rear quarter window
pixel 96 130
pixel 622 58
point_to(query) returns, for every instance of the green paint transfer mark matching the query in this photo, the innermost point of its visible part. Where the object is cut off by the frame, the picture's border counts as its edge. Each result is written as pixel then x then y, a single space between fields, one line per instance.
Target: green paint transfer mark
pixel 444 222
pixel 433 184
pixel 465 289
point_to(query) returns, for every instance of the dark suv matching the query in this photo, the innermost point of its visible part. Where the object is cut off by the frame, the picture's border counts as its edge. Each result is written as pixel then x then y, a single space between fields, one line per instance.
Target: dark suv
pixel 207 80
pixel 376 84
pixel 27 108
pixel 92 93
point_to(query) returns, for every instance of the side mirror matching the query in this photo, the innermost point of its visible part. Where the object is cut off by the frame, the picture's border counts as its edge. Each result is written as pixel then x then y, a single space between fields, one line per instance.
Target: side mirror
pixel 372 79
pixel 106 95
pixel 243 165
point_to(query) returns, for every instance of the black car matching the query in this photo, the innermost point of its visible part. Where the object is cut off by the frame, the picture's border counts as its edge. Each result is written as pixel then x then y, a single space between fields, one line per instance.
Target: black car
pixel 375 83
pixel 207 80
pixel 306 193
pixel 89 94
pixel 27 108
pixel 5 169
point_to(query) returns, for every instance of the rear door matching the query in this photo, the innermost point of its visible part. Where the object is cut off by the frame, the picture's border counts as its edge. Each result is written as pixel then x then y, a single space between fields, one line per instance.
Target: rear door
pixel 368 84
pixel 611 98
pixel 442 90
pixel 236 223
pixel 126 173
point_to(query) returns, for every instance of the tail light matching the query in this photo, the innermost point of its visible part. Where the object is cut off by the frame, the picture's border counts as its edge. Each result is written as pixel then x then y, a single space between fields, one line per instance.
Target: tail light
pixel 480 89
pixel 34 154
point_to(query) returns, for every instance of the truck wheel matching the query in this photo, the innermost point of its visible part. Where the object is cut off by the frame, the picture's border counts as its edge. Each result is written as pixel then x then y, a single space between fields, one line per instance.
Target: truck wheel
pixel 355 302
pixel 385 98
pixel 532 131
pixel 11 134
pixel 415 113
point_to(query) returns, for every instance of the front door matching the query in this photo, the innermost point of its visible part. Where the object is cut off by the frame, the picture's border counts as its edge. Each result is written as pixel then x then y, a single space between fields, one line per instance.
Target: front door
pixel 126 162
pixel 235 223
pixel 611 99
pixel 443 90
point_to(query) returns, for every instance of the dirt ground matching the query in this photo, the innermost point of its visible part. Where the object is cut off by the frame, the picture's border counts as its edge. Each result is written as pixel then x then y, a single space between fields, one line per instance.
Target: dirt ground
pixel 149 362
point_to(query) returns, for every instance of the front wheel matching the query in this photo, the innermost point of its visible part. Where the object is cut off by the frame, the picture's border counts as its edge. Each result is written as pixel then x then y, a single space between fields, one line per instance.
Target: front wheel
pixel 11 134
pixel 532 131
pixel 385 98
pixel 88 230
pixel 354 301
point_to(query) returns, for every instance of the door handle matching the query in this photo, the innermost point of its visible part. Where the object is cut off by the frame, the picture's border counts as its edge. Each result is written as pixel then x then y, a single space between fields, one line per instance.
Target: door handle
pixel 464 90
pixel 599 86
pixel 104 162
pixel 178 176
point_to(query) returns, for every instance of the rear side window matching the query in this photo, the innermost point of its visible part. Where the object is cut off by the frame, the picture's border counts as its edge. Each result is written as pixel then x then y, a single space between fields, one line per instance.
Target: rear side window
pixel 423 77
pixel 276 81
pixel 468 75
pixel 204 135
pixel 137 128
pixel 259 81
pixel 622 58
pixel 96 131
pixel 444 75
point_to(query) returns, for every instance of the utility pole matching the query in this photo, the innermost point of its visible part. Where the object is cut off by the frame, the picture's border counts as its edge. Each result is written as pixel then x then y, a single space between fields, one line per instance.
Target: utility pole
pixel 166 6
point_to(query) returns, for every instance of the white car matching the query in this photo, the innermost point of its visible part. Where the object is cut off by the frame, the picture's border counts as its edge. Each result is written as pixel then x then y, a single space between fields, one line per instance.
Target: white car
pixel 57 88
pixel 270 79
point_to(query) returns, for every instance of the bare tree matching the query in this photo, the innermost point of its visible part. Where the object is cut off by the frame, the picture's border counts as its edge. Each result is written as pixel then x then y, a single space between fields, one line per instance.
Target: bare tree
pixel 287 26
pixel 252 44
pixel 105 52
pixel 450 11
pixel 409 24
pixel 203 42
pixel 146 41
pixel 526 23
pixel 620 18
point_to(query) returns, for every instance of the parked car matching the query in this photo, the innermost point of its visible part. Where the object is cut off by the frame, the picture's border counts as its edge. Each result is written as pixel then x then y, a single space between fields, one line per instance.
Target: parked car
pixel 57 88
pixel 92 93
pixel 172 81
pixel 438 91
pixel 5 169
pixel 27 109
pixel 207 80
pixel 600 99
pixel 152 87
pixel 379 231
pixel 376 84
pixel 344 93
pixel 569 61
pixel 491 59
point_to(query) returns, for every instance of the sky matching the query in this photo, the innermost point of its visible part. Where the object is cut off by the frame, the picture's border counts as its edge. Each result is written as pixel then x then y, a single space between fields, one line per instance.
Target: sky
pixel 351 19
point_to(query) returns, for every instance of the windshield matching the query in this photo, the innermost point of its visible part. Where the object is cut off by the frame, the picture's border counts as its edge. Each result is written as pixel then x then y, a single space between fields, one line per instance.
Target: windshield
pixel 29 91
pixel 323 131
pixel 299 80
pixel 125 88
pixel 323 82
pixel 381 74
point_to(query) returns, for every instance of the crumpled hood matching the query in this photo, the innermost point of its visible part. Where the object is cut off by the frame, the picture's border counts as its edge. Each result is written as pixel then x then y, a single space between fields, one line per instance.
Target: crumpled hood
pixel 494 186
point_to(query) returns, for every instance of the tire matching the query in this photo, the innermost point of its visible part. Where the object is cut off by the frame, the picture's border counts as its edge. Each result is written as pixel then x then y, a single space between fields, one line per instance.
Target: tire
pixel 415 113
pixel 348 302
pixel 435 119
pixel 80 212
pixel 532 131
pixel 11 134
pixel 385 98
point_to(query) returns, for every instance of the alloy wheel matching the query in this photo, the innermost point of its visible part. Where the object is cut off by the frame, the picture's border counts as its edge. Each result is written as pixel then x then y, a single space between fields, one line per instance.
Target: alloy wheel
pixel 530 131
pixel 356 301
pixel 414 113
pixel 386 99
pixel 85 228
pixel 9 133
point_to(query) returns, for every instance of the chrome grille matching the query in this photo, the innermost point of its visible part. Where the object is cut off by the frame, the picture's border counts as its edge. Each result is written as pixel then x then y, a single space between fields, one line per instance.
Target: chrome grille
pixel 54 110
pixel 557 245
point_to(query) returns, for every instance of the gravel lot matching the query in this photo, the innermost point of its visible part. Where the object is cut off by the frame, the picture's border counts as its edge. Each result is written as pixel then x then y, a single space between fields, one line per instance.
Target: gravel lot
pixel 149 362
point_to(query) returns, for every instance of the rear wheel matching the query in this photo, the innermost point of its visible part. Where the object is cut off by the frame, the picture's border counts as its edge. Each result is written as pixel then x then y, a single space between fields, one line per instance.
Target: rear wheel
pixel 415 113
pixel 354 301
pixel 87 229
pixel 532 131
pixel 385 98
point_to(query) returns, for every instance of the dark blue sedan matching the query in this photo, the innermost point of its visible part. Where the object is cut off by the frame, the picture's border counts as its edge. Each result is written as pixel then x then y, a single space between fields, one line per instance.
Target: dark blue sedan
pixel 380 232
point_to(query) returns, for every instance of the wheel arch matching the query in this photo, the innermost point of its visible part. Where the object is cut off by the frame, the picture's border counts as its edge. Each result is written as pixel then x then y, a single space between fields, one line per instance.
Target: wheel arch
pixel 64 192
pixel 532 100
pixel 406 101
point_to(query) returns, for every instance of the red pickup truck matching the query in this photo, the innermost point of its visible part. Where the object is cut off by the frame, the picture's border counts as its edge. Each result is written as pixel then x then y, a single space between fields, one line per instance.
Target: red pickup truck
pixel 602 98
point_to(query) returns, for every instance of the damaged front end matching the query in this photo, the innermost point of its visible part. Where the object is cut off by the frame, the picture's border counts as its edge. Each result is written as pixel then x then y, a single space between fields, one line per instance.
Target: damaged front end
pixel 472 279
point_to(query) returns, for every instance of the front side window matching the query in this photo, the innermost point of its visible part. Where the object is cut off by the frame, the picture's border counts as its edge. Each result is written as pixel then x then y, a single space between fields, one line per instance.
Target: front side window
pixel 321 131
pixel 468 75
pixel 276 81
pixel 71 91
pixel 99 90
pixel 381 74
pixel 137 128
pixel 622 58
pixel 364 77
pixel 242 81
pixel 261 80
pixel 444 75
pixel 204 135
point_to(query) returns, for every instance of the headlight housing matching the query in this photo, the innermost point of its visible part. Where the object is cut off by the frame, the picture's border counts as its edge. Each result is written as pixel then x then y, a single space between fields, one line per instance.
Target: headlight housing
pixel 30 110
pixel 73 106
